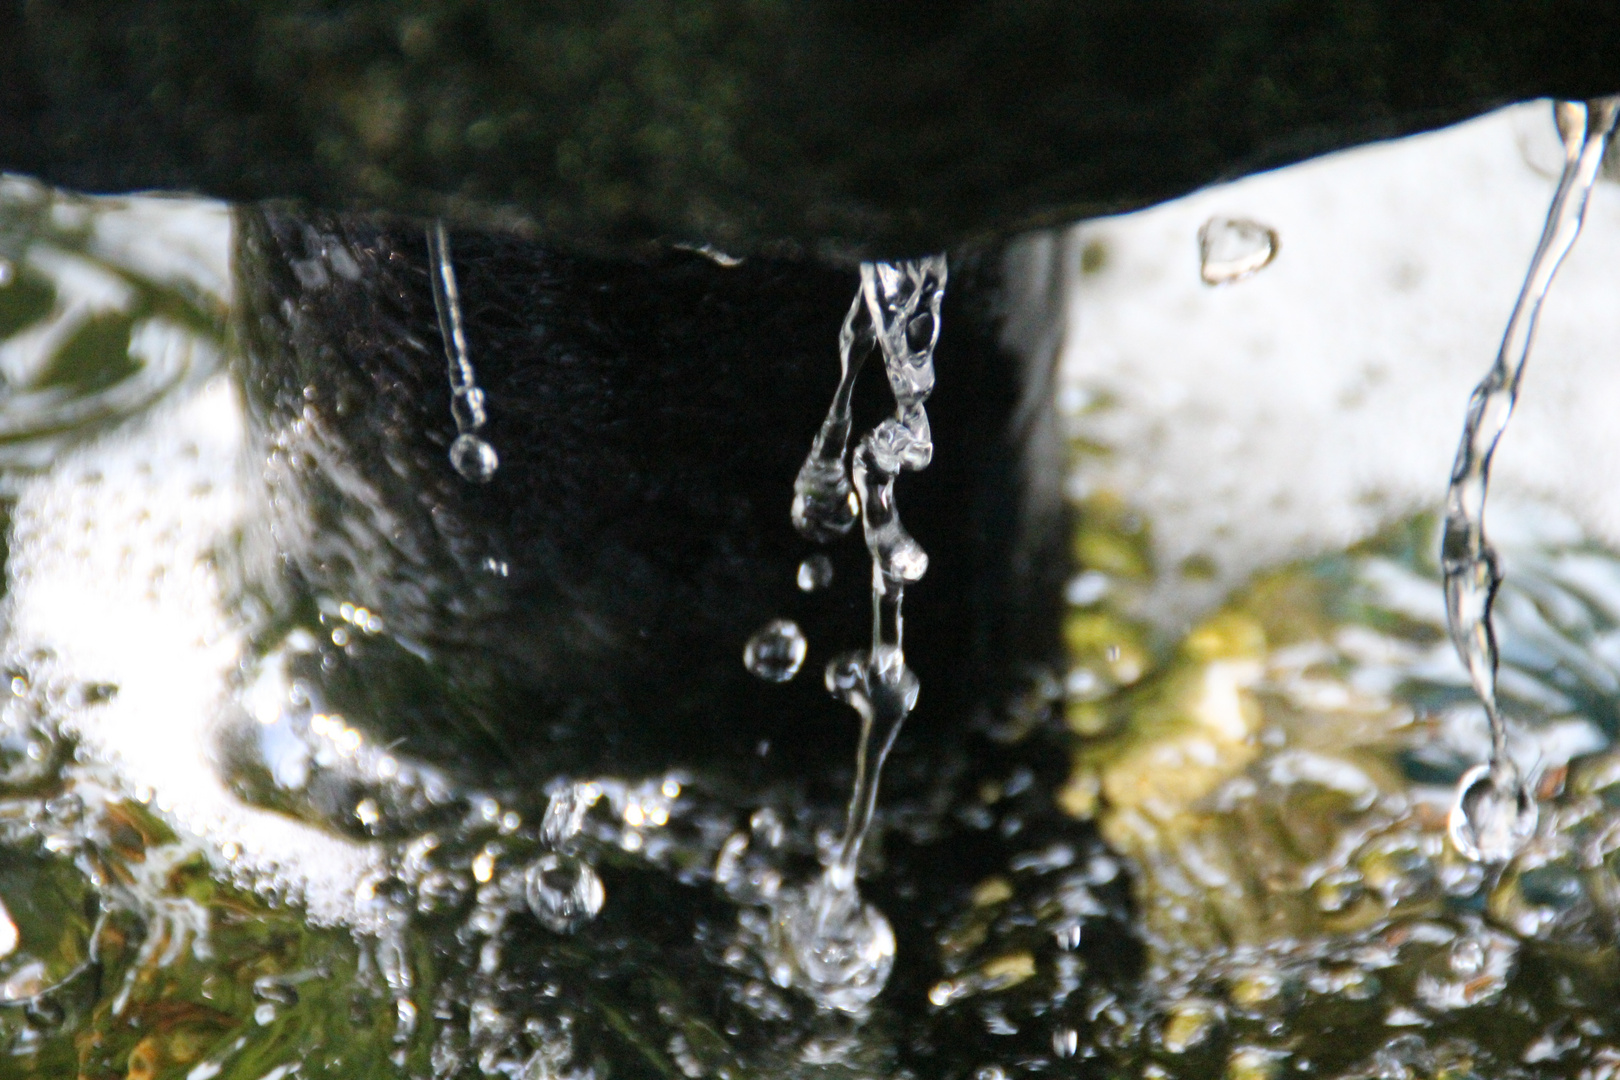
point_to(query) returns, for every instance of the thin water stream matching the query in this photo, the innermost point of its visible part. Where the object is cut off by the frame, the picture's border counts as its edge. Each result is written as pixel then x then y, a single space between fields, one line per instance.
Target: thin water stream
pixel 471 454
pixel 1495 812
pixel 831 944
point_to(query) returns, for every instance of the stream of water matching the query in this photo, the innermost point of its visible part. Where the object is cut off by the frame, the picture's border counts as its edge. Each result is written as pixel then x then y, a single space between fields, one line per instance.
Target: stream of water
pixel 830 943
pixel 1496 812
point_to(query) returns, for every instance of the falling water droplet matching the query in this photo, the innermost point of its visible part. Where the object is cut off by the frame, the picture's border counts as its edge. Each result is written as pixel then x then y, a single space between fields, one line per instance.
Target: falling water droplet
pixel 1494 814
pixel 471 456
pixel 776 651
pixel 815 573
pixel 6 273
pixel 1231 249
pixel 563 891
pixel 474 458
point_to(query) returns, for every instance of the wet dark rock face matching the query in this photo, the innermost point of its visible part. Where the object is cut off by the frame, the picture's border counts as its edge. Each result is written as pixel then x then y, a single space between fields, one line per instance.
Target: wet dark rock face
pixel 827 126
pixel 589 607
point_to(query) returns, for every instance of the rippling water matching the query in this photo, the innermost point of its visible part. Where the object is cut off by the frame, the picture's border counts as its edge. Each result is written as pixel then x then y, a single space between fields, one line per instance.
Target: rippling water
pixel 1204 848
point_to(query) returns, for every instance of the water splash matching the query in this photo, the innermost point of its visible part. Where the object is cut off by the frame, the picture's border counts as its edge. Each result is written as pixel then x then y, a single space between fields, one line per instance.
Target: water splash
pixel 836 948
pixel 472 456
pixel 1494 814
pixel 776 651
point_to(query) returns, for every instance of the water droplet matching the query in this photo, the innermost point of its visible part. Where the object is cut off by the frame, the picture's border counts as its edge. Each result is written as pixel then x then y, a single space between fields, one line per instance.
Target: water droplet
pixel 776 651
pixel 1494 815
pixel 815 573
pixel 7 273
pixel 824 504
pixel 1065 1042
pixel 1231 249
pixel 563 891
pixel 474 458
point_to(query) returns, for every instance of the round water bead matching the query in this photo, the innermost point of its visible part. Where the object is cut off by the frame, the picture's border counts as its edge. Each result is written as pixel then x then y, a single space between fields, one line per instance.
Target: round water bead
pixel 834 948
pixel 1231 249
pixel 474 458
pixel 776 651
pixel 1494 815
pixel 563 891
pixel 815 573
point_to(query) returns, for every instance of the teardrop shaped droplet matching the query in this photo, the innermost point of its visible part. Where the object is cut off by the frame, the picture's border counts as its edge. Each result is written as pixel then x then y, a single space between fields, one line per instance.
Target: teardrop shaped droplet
pixel 474 458
pixel 1231 249
pixel 815 573
pixel 776 651
pixel 563 891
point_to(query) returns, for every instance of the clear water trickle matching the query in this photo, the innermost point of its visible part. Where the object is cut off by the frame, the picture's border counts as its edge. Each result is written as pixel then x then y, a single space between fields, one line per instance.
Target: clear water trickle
pixel 776 651
pixel 471 455
pixel 830 944
pixel 1495 814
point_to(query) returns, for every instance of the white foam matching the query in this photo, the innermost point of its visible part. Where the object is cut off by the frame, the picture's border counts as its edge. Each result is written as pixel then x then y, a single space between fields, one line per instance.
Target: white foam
pixel 112 571
pixel 1300 409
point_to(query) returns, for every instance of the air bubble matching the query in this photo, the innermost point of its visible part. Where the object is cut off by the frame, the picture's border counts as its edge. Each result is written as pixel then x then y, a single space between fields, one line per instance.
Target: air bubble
pixel 1231 249
pixel 563 891
pixel 776 651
